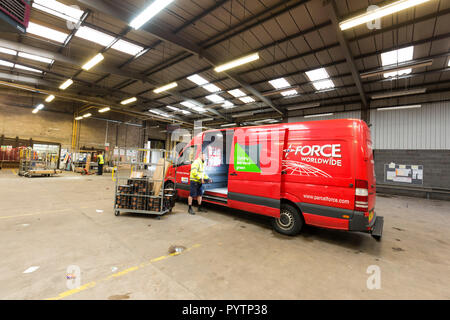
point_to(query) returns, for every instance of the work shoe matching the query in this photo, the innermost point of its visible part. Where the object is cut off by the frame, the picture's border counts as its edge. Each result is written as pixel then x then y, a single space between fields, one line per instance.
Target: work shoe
pixel 191 211
pixel 201 209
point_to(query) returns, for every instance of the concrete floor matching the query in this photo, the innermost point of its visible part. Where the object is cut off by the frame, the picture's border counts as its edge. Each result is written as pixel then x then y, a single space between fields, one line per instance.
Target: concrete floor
pixel 53 223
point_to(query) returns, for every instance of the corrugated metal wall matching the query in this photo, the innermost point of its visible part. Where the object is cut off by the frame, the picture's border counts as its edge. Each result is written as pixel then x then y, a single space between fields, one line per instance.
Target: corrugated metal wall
pixel 341 115
pixel 412 129
pixel 409 129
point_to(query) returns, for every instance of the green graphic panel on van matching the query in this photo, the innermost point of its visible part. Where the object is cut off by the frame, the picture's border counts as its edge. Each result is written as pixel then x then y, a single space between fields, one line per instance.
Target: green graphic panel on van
pixel 246 159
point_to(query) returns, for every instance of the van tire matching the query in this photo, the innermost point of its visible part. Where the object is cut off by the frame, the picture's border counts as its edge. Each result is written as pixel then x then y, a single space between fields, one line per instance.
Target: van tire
pixel 290 222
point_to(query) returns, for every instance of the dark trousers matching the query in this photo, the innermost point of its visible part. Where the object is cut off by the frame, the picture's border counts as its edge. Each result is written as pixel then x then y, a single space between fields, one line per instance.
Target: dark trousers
pixel 100 169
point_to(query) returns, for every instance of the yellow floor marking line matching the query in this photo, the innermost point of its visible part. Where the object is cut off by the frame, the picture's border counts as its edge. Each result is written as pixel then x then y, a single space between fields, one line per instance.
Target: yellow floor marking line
pixel 34 214
pixel 92 284
pixel 13 171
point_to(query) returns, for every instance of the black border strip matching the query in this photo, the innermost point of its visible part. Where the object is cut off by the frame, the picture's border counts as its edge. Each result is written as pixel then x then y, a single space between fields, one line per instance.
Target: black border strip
pixel 325 211
pixel 183 186
pixel 261 201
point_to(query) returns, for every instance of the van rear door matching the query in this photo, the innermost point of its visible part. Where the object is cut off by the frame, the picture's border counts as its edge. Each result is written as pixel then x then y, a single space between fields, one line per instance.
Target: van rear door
pixel 254 179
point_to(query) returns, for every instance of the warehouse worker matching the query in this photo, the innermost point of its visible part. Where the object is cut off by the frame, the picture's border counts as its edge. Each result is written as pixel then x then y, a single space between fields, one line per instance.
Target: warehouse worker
pixel 198 178
pixel 101 162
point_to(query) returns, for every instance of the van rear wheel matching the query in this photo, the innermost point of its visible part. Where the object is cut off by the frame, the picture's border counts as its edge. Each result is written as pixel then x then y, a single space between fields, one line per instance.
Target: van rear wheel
pixel 290 221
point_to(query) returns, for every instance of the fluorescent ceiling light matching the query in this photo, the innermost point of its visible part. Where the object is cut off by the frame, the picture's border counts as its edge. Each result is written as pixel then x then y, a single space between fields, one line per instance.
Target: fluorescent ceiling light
pixel 289 93
pixel 247 99
pixel 185 112
pixel 173 108
pixel 243 114
pixel 155 112
pixel 304 106
pixel 87 115
pixel 128 101
pixel 93 62
pixel 237 62
pixel 212 88
pixel 317 74
pixel 398 93
pixel 152 10
pixel 215 98
pixel 206 119
pixel 95 36
pixel 379 13
pixel 78 118
pixel 395 57
pixel 40 106
pixel 6 64
pixel 104 110
pixel 228 125
pixel 19 66
pixel 47 33
pixel 237 93
pixel 58 9
pixel 318 115
pixel 127 47
pixel 50 98
pixel 400 107
pixel 198 80
pixel 449 62
pixel 35 111
pixel 323 84
pixel 279 83
pixel 166 87
pixel 8 51
pixel 66 84
pixel 34 57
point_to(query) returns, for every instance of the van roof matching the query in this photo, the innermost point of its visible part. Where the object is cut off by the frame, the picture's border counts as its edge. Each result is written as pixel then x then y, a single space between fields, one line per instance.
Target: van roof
pixel 314 124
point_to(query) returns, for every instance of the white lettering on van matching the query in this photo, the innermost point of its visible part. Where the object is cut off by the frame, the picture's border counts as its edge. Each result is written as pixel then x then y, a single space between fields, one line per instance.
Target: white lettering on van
pixel 327 151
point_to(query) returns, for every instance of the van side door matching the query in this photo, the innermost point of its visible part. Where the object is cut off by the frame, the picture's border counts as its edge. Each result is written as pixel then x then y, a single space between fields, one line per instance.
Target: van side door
pixel 254 178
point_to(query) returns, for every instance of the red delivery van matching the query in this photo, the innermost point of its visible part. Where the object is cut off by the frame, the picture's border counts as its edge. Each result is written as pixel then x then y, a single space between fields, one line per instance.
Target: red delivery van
pixel 318 173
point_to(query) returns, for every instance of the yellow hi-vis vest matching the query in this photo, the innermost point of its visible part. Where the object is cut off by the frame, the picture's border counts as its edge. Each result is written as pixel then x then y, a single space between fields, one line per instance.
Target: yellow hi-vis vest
pixel 198 171
pixel 100 159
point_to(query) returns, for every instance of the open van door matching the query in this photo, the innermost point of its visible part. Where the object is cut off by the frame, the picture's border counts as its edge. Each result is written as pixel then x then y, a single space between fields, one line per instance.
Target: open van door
pixel 254 177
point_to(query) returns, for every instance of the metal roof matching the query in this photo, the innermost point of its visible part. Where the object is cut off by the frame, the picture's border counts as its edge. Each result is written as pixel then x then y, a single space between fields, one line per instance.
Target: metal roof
pixel 192 36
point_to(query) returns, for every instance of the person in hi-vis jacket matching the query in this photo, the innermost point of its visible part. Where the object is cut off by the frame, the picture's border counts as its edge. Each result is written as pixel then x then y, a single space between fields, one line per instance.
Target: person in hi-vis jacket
pixel 197 178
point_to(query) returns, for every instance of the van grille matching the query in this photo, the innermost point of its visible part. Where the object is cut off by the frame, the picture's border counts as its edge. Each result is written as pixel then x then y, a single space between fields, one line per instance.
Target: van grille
pixel 16 9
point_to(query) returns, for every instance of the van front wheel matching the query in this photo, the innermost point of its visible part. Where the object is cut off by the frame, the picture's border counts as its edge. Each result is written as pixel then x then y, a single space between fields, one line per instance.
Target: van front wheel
pixel 290 221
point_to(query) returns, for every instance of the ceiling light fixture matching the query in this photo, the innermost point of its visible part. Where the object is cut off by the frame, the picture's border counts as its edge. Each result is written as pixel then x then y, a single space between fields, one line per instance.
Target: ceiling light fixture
pixel 379 13
pixel 93 62
pixel 87 115
pixel 166 87
pixel 398 93
pixel 237 62
pixel 19 66
pixel 304 106
pixel 66 84
pixel 152 10
pixel 415 106
pixel 229 125
pixel 34 57
pixel 104 110
pixel 38 108
pixel 289 93
pixel 318 115
pixel 50 98
pixel 128 101
pixel 79 118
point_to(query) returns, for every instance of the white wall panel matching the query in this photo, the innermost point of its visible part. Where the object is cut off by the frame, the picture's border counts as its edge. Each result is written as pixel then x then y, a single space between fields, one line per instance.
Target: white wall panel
pixel 412 129
pixel 340 115
pixel 407 129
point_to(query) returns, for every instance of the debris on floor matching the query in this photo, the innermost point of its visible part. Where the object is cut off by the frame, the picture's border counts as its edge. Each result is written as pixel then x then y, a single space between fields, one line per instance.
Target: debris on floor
pixel 398 249
pixel 31 269
pixel 120 296
pixel 176 249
